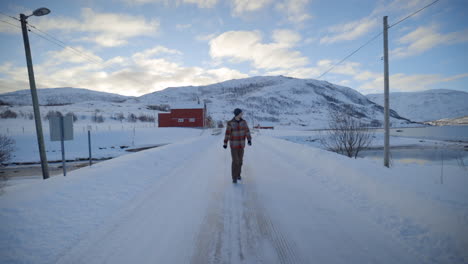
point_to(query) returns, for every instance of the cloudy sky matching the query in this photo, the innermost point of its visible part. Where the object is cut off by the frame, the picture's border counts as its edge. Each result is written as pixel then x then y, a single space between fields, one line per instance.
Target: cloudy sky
pixel 133 47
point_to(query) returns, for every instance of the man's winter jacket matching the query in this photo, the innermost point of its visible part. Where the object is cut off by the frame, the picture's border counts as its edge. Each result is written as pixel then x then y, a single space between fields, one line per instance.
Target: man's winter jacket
pixel 236 132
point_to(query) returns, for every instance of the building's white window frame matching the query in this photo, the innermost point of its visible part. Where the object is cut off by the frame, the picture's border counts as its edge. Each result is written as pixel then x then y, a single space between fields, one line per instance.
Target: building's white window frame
pixel 180 120
pixel 192 120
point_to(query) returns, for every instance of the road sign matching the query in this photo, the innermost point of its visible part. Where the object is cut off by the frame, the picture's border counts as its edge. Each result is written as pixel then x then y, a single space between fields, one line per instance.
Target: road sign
pixel 55 129
pixel 61 129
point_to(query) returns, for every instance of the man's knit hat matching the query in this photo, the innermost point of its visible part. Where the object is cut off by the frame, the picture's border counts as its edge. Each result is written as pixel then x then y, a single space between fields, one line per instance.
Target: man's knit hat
pixel 237 111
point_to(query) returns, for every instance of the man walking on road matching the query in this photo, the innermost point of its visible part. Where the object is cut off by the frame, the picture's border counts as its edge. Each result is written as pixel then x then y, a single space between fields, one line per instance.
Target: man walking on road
pixel 236 132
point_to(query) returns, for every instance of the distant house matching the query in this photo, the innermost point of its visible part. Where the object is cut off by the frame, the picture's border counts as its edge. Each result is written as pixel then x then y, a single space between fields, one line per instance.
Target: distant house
pixel 184 116
pixel 264 126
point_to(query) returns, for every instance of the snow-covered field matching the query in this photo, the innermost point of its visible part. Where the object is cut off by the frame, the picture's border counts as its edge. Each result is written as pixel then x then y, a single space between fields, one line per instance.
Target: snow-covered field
pixel 295 204
pixel 108 140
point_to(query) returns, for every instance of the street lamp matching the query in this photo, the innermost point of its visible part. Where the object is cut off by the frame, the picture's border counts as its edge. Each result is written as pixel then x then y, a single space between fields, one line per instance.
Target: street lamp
pixel 32 83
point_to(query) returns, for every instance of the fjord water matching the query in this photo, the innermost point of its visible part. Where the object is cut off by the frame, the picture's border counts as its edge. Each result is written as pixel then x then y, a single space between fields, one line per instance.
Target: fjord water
pixel 451 133
pixel 424 154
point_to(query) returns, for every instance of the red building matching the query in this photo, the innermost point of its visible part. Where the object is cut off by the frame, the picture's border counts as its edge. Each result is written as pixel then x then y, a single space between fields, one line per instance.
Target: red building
pixel 265 125
pixel 184 116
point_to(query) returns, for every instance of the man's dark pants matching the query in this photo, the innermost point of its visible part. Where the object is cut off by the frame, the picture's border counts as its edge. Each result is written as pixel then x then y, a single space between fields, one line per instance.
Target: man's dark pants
pixel 237 156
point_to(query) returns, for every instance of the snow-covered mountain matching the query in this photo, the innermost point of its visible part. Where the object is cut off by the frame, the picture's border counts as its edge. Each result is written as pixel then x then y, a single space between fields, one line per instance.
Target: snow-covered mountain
pixel 274 100
pixel 460 121
pixel 427 105
pixel 60 96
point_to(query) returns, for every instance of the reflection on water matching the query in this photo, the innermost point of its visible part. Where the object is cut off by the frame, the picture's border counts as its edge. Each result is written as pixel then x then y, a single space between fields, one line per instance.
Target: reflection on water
pixel 421 155
pixel 455 133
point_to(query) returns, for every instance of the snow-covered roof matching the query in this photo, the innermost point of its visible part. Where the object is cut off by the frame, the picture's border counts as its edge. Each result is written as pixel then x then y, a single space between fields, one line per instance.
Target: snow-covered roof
pixel 187 106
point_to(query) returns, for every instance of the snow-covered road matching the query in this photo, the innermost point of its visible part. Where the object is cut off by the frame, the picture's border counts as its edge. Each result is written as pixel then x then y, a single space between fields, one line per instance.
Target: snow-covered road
pixel 294 205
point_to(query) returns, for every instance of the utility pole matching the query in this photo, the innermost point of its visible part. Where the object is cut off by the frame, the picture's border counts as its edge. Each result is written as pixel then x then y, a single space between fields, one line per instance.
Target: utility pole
pixel 386 95
pixel 35 101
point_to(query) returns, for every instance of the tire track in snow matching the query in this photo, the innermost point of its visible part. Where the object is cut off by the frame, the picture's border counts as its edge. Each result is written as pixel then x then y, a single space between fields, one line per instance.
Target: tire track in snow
pixel 284 248
pixel 237 229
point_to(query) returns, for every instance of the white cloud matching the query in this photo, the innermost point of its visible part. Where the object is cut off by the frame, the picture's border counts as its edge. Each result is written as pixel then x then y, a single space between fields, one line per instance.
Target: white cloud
pixel 10 26
pixel 202 3
pixel 242 6
pixel 143 72
pixel 142 2
pixel 149 53
pixel 72 55
pixel 349 31
pixel 182 27
pixel 346 68
pixel 424 38
pixel 223 74
pixel 295 10
pixel 286 38
pixel 199 3
pixel 204 38
pixel 407 83
pixel 455 77
pixel 240 46
pixel 403 83
pixel 357 28
pixel 399 6
pixel 105 29
pixel 367 75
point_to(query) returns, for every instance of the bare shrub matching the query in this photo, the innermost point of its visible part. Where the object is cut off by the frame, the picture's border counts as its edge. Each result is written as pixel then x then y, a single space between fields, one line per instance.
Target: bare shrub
pixel 346 135
pixel 8 114
pixel 75 118
pixel 161 107
pixel 27 115
pixel 131 118
pixel 52 113
pixel 118 117
pixel 7 145
pixel 209 122
pixel 97 118
pixel 4 103
pixel 146 118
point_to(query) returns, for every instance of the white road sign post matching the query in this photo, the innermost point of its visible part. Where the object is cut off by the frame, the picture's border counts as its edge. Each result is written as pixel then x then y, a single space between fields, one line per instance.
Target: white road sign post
pixel 61 129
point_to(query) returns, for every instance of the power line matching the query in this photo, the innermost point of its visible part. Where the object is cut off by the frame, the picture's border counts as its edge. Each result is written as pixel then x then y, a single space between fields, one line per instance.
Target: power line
pixel 48 37
pixel 52 39
pixel 65 47
pixel 58 42
pixel 373 38
pixel 351 54
pixel 62 44
pixel 13 25
pixel 1 13
pixel 413 14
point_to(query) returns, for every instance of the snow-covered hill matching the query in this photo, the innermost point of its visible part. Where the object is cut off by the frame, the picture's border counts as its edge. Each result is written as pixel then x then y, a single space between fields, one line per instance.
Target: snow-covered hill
pixel 276 100
pixel 427 105
pixel 60 96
